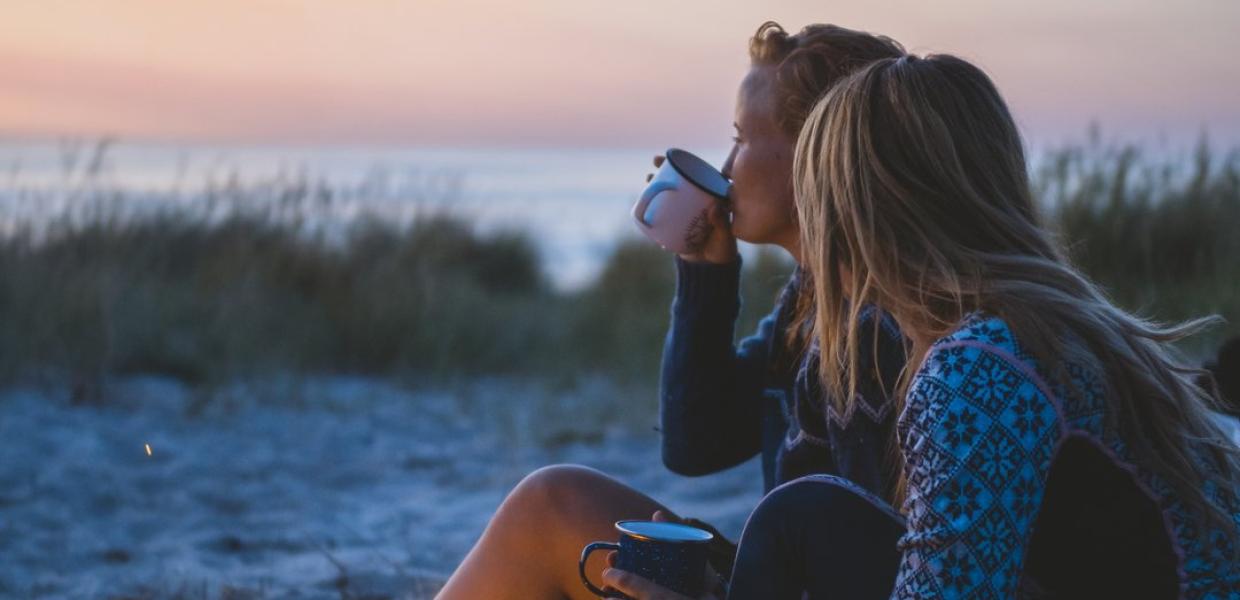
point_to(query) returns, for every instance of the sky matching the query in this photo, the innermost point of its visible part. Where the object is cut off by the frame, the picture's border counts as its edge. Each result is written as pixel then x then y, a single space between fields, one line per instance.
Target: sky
pixel 572 73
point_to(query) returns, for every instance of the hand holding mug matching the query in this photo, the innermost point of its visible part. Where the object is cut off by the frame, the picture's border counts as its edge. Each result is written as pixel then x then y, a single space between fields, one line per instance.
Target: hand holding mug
pixel 653 559
pixel 684 208
pixel 640 588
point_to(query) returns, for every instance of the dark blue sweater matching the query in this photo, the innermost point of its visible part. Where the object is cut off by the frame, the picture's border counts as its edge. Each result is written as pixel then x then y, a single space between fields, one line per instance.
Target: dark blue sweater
pixel 720 404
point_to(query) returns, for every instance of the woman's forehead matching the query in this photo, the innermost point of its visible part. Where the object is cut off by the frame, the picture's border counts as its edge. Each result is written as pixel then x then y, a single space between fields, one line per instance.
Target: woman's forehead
pixel 755 100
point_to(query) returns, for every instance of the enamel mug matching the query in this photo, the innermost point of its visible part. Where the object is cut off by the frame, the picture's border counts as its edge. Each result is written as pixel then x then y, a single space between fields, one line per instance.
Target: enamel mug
pixel 673 210
pixel 672 555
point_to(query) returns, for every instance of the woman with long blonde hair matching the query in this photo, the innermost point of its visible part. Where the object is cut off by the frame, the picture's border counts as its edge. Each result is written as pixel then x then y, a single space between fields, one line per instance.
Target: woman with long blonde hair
pixel 1053 445
pixel 1033 389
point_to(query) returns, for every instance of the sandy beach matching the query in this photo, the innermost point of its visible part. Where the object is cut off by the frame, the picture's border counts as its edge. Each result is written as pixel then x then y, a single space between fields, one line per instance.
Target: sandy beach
pixel 324 488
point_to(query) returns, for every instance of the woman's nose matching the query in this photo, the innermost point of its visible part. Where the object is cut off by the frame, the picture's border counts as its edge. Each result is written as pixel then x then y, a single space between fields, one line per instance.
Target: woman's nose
pixel 727 164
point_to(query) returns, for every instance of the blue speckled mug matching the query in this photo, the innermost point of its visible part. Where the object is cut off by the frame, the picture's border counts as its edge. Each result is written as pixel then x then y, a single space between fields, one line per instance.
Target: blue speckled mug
pixel 669 554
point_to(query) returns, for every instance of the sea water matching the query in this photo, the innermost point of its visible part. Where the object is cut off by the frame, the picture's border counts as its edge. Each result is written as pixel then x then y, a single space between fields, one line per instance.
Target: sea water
pixel 575 202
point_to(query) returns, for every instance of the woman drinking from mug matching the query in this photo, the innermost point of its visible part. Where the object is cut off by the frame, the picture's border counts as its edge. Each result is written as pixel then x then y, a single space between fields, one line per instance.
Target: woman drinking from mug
pixel 721 404
pixel 1053 445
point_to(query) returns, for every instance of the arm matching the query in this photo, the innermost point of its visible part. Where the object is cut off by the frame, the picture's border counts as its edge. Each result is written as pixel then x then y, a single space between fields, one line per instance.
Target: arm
pixel 977 435
pixel 710 391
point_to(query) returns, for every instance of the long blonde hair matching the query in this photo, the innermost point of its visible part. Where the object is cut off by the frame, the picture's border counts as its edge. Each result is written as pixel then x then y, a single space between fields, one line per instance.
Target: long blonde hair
pixel 910 180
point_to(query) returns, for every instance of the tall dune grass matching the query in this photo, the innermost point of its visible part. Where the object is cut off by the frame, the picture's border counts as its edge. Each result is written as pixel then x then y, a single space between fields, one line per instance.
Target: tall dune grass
pixel 240 285
pixel 1161 235
pixel 184 292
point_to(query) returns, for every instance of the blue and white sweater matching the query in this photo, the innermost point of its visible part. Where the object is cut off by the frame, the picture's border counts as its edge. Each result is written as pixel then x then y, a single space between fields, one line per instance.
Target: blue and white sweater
pixel 993 446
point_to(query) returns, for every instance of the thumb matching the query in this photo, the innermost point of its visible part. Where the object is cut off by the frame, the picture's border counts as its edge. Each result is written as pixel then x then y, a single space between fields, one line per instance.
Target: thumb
pixel 666 515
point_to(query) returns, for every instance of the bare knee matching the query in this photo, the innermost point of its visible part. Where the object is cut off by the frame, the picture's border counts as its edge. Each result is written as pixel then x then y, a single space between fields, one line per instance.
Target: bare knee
pixel 561 490
pixel 541 524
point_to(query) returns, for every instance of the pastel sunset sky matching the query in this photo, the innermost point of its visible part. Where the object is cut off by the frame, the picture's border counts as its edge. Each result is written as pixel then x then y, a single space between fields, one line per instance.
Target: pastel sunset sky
pixel 571 72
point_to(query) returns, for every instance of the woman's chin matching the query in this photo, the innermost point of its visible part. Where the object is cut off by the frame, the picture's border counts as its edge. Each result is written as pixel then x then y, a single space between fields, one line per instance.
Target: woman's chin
pixel 744 233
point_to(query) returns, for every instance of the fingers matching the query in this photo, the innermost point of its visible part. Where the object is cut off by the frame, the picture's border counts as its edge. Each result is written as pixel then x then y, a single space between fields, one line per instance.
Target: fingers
pixel 611 558
pixel 658 162
pixel 720 247
pixel 638 587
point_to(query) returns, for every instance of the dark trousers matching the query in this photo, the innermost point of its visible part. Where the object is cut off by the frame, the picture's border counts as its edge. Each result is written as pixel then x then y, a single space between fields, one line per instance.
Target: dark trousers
pixel 817 537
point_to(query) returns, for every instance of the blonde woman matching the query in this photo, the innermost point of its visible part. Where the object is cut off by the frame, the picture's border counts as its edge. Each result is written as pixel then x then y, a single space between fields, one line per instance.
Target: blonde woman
pixel 1052 444
pixel 721 403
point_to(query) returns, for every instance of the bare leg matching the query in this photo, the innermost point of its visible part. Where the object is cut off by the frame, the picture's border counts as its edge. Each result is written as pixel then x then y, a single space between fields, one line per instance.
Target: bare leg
pixel 531 546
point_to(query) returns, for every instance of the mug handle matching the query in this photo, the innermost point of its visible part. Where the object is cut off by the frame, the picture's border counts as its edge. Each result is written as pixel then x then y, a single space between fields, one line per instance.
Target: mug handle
pixel 581 566
pixel 652 190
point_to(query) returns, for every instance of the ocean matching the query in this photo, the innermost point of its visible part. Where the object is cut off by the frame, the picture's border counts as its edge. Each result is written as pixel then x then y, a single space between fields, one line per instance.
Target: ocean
pixel 574 201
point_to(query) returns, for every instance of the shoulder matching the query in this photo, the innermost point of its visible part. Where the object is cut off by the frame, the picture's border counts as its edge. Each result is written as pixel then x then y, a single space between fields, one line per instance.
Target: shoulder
pixel 981 347
pixel 978 378
pixel 882 347
pixel 875 320
pixel 883 365
pixel 985 330
pixel 985 356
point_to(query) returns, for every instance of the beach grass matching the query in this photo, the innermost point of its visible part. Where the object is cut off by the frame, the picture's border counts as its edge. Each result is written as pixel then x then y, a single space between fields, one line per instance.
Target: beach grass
pixel 240 284
pixel 1159 235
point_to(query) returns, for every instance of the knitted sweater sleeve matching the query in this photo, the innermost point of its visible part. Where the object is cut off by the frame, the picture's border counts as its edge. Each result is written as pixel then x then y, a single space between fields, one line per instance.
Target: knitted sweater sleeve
pixel 710 389
pixel 978 433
